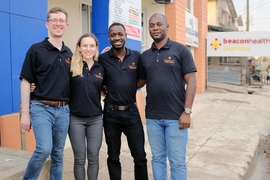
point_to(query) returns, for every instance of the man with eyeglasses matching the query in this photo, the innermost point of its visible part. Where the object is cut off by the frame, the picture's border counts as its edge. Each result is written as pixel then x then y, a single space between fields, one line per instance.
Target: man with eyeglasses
pixel 47 64
pixel 56 21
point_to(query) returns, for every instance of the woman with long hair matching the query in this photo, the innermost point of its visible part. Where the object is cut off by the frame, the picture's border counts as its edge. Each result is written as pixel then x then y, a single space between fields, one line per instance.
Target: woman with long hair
pixel 86 124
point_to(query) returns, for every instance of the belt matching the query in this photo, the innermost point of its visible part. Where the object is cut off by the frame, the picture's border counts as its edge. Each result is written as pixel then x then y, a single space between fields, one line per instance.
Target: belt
pixel 121 108
pixel 53 103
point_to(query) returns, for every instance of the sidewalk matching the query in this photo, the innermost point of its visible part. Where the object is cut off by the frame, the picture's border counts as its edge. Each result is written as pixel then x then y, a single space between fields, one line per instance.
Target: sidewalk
pixel 224 145
pixel 230 132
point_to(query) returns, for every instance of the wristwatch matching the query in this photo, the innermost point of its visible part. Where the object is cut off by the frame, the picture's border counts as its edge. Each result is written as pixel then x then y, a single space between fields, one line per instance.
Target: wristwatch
pixel 187 111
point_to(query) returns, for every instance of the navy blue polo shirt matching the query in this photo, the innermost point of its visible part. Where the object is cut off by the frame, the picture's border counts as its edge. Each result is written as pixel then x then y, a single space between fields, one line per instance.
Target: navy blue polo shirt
pixel 164 70
pixel 121 77
pixel 85 91
pixel 49 69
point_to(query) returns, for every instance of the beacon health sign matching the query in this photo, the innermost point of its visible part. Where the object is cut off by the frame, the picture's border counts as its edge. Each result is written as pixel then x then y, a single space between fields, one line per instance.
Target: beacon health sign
pixel 238 44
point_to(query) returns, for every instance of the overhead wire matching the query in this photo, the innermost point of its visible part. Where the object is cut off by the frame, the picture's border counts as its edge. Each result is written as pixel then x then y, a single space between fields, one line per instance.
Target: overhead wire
pixel 260 6
pixel 254 5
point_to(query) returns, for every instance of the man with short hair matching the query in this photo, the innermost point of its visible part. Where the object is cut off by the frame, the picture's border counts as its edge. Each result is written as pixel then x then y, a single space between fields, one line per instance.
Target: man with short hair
pixel 121 114
pixel 169 66
pixel 47 64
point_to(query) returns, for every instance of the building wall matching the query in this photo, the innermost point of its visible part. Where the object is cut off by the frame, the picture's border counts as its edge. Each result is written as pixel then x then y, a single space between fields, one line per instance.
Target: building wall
pixel 22 25
pixel 224 17
pixel 219 14
pixel 175 14
pixel 5 63
pixel 200 11
pixel 177 30
pixel 212 12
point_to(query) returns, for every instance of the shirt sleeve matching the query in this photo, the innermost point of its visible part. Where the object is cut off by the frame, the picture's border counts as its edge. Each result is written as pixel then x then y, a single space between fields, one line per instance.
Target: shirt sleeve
pixel 188 63
pixel 27 71
pixel 141 69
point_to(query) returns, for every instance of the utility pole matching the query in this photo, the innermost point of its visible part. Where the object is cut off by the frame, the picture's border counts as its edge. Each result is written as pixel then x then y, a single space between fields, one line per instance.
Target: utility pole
pixel 247 23
pixel 250 78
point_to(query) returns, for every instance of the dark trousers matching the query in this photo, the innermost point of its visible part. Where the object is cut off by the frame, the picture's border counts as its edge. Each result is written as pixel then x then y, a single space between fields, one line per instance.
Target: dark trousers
pixel 128 122
pixel 85 134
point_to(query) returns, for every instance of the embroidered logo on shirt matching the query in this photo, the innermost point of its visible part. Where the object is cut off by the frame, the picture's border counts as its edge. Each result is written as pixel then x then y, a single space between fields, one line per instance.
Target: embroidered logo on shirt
pixel 169 60
pixel 133 66
pixel 68 60
pixel 99 76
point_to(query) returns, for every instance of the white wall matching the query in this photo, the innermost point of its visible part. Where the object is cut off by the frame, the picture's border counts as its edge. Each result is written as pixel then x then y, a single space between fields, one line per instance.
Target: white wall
pixel 150 8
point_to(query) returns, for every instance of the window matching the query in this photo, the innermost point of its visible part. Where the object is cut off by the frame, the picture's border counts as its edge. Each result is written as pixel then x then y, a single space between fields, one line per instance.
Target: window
pixel 86 19
pixel 189 6
pixel 230 61
pixel 144 31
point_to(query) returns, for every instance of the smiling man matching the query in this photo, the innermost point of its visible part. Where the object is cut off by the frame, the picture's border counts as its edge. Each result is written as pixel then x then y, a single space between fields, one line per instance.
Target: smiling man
pixel 171 86
pixel 47 64
pixel 121 114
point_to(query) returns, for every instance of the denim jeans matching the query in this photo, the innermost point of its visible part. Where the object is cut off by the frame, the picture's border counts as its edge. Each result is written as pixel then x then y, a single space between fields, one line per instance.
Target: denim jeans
pixel 50 126
pixel 128 122
pixel 167 140
pixel 85 134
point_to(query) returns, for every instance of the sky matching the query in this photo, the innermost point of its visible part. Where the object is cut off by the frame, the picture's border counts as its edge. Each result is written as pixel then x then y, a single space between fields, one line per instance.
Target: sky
pixel 259 14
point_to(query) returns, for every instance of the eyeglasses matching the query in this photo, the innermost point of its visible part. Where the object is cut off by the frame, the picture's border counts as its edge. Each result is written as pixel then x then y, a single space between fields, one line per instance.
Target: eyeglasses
pixel 55 21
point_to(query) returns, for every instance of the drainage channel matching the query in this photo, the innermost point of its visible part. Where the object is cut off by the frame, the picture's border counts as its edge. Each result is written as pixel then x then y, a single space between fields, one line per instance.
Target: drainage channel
pixel 262 168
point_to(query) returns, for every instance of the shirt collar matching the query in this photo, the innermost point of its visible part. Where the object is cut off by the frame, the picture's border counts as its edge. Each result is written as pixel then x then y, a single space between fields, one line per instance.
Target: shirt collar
pixel 166 46
pixel 96 63
pixel 128 52
pixel 50 47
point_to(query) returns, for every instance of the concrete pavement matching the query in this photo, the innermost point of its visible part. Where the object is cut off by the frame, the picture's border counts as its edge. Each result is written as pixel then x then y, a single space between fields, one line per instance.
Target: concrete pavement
pixel 230 131
pixel 223 144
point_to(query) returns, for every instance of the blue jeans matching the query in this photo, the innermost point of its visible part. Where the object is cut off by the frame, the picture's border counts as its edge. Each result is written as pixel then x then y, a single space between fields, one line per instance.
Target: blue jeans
pixel 50 126
pixel 128 122
pixel 167 140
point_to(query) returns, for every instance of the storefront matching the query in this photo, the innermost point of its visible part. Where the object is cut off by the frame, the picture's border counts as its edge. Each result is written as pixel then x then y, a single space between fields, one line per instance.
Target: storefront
pixel 23 23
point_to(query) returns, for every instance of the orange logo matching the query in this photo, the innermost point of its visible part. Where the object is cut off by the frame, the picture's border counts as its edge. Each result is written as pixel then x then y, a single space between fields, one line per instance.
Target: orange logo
pixel 215 44
pixel 68 60
pixel 133 66
pixel 169 60
pixel 99 76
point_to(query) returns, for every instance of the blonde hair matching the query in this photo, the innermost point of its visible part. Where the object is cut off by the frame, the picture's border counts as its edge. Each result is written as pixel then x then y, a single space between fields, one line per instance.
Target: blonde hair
pixel 77 59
